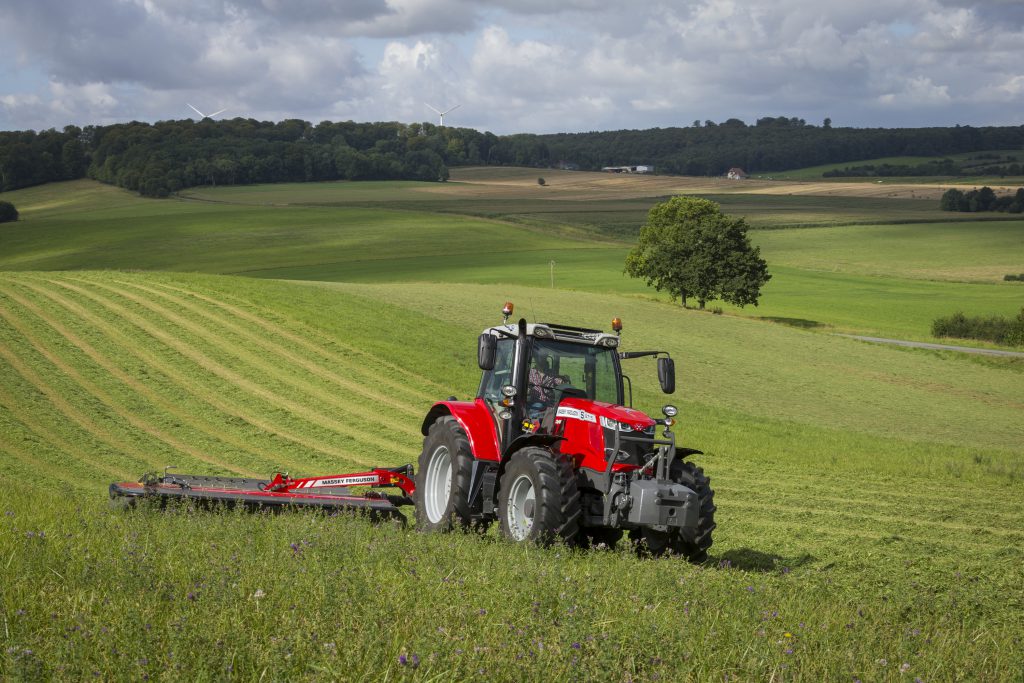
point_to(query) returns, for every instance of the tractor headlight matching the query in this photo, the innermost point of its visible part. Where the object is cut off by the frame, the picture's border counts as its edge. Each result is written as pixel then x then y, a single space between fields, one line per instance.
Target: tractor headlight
pixel 608 423
pixel 610 342
pixel 541 332
pixel 508 390
pixel 670 411
pixel 505 415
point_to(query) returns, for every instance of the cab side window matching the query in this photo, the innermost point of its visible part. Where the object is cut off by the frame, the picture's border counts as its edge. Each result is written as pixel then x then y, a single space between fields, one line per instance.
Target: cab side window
pixel 494 380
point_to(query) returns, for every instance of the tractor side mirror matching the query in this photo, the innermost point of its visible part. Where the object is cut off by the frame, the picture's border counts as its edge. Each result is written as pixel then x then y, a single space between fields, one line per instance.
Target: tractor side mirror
pixel 487 351
pixel 667 375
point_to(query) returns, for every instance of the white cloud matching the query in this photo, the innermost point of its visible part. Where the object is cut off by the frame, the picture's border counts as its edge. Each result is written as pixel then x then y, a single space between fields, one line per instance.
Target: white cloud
pixel 518 65
pixel 916 92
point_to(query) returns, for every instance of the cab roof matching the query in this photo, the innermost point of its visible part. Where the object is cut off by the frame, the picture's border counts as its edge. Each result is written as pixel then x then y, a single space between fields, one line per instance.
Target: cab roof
pixel 559 332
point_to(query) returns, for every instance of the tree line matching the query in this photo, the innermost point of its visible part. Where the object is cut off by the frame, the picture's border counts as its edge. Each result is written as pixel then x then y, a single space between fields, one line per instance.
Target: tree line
pixel 984 199
pixel 164 157
pixel 985 164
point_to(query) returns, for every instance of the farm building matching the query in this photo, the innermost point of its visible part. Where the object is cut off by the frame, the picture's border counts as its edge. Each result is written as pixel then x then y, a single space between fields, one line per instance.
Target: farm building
pixel 642 168
pixel 736 173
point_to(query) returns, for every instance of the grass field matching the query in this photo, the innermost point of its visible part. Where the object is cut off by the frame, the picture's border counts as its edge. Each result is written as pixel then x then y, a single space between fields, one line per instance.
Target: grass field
pixel 870 499
pixel 835 523
pixel 886 279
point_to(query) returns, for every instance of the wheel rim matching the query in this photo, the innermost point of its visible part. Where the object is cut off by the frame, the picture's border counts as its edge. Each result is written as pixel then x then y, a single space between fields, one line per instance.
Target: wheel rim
pixel 521 507
pixel 438 486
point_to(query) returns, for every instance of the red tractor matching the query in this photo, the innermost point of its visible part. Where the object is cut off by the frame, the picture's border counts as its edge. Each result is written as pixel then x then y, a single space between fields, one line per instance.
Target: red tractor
pixel 548 448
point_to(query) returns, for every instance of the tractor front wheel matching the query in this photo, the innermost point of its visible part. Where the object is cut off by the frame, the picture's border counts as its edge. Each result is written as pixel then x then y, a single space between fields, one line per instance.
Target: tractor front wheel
pixel 443 478
pixel 657 543
pixel 538 500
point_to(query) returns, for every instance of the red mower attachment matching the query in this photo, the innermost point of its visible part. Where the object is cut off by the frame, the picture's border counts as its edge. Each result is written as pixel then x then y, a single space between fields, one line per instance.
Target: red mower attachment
pixel 331 492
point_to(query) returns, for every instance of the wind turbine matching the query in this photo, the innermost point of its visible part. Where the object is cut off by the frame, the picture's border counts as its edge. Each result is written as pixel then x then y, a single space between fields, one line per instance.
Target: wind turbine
pixel 206 116
pixel 440 113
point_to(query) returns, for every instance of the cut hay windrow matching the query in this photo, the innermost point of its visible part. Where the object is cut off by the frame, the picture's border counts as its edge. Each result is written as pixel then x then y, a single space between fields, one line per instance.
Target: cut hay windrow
pixel 295 379
pixel 129 411
pixel 354 360
pixel 189 389
pixel 243 383
pixel 360 391
pixel 193 419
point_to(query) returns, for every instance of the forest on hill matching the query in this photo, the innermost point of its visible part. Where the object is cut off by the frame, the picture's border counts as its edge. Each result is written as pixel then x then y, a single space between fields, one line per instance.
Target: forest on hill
pixel 162 158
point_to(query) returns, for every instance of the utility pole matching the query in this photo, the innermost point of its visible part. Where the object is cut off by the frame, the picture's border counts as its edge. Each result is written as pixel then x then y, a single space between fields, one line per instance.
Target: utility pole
pixel 552 264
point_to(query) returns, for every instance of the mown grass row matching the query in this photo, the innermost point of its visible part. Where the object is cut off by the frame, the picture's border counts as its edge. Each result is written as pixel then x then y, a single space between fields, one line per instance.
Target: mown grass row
pixel 119 364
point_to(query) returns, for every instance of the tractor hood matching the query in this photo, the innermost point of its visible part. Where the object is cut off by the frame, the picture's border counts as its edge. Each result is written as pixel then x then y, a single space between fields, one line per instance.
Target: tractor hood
pixel 605 414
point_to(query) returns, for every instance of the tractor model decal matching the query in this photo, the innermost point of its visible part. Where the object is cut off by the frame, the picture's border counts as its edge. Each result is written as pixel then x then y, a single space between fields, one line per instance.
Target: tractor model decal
pixel 576 414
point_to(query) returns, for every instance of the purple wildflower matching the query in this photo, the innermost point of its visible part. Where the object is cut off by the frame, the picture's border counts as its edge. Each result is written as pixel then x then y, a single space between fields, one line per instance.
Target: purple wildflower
pixel 415 660
pixel 403 660
pixel 482 611
pixel 788 650
pixel 191 596
pixel 750 589
pixel 576 646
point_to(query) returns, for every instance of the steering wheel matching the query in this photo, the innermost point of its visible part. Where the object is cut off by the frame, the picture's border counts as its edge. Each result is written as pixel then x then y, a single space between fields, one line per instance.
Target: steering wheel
pixel 568 390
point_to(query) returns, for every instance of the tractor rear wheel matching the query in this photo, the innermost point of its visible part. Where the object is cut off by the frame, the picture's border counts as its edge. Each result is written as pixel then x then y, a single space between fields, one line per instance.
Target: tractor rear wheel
pixel 538 500
pixel 443 478
pixel 659 543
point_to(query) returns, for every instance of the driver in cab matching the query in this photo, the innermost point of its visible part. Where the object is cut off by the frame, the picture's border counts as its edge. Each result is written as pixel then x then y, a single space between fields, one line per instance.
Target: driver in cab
pixel 543 383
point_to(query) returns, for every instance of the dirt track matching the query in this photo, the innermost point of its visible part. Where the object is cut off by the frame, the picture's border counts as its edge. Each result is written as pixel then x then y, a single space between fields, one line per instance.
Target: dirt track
pixel 940 347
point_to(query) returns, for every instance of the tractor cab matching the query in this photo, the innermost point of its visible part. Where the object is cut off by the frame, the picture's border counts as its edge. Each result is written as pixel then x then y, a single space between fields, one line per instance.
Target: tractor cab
pixel 530 369
pixel 533 372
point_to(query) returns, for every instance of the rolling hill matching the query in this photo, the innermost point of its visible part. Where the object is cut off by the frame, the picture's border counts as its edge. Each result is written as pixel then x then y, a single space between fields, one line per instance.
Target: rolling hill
pixel 871 499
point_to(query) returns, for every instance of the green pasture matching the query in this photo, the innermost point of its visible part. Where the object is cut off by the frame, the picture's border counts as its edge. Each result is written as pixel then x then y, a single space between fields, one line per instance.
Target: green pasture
pixel 210 237
pixel 616 218
pixel 871 500
pixel 816 172
pixel 887 279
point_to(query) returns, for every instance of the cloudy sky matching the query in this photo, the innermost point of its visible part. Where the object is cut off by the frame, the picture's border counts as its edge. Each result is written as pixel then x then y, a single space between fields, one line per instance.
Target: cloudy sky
pixel 514 65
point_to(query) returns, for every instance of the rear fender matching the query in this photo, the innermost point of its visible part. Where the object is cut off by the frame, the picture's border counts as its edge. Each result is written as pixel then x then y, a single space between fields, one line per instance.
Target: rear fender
pixel 475 418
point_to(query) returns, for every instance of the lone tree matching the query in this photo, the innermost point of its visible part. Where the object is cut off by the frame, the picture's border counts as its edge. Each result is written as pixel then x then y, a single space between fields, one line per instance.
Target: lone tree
pixel 8 212
pixel 689 248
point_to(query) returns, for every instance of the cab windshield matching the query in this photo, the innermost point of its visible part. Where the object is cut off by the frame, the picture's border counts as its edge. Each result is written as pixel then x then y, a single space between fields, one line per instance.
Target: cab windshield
pixel 556 365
